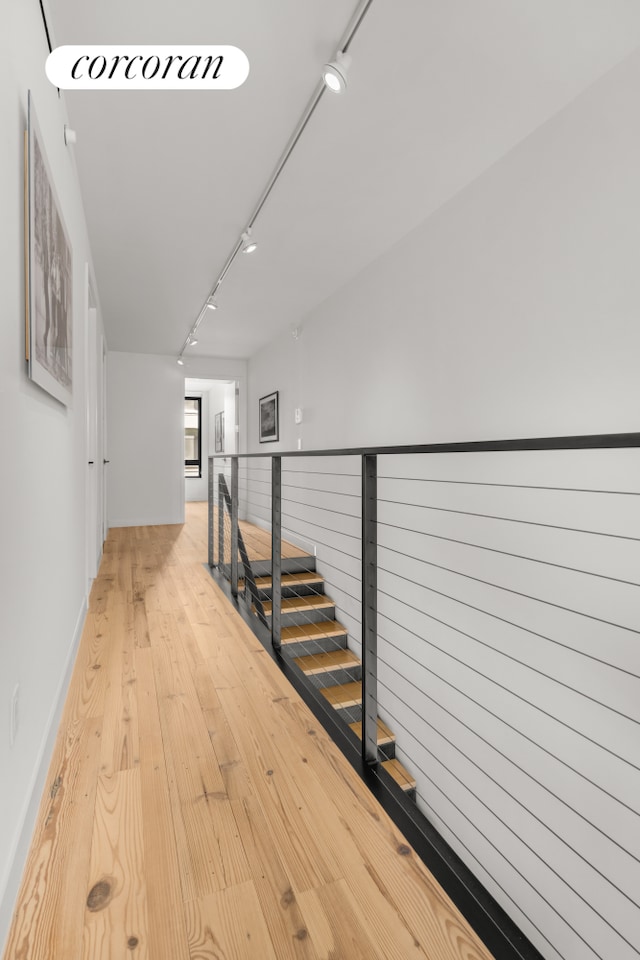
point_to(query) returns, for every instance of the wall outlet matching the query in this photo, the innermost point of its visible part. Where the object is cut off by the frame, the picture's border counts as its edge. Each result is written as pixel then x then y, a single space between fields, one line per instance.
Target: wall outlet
pixel 15 715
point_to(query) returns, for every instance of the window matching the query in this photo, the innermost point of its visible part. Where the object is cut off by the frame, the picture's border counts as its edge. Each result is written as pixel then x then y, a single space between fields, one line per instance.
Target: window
pixel 193 436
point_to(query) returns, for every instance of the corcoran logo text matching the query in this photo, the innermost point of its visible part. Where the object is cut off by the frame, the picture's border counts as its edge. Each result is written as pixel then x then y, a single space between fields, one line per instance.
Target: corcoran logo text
pixel 147 68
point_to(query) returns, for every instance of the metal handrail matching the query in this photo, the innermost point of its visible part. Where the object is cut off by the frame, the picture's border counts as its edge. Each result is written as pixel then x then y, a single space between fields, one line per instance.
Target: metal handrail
pixel 249 578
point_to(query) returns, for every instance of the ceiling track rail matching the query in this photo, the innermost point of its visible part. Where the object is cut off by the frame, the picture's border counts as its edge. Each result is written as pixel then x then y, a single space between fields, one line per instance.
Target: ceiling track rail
pixel 46 26
pixel 343 46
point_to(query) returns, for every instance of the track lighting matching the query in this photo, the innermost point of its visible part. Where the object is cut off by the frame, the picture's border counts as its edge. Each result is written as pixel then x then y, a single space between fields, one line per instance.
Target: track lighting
pixel 248 243
pixel 181 361
pixel 211 304
pixel 193 341
pixel 334 73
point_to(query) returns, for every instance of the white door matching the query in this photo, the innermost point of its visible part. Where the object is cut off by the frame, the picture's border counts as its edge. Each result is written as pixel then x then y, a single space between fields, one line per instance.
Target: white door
pixel 91 427
pixel 104 527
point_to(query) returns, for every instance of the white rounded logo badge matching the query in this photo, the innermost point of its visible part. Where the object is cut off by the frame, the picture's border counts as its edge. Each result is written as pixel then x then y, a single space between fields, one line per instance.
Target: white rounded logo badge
pixel 147 67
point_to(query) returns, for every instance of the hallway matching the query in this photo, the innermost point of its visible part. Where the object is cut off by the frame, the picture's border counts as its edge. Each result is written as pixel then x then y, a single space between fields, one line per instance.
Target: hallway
pixel 195 809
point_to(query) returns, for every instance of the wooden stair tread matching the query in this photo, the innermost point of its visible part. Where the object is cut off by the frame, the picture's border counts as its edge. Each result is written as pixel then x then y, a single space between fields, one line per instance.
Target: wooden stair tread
pixel 300 604
pixel 290 579
pixel 385 735
pixel 312 631
pixel 325 662
pixel 401 776
pixel 344 695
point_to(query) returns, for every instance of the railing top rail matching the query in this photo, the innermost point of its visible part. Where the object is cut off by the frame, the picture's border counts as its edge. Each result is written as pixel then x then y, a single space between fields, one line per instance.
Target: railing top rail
pixel 587 442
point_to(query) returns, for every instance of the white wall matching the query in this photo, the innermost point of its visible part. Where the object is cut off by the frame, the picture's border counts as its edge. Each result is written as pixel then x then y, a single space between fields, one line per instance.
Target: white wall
pixel 42 478
pixel 512 311
pixel 145 407
pixel 508 655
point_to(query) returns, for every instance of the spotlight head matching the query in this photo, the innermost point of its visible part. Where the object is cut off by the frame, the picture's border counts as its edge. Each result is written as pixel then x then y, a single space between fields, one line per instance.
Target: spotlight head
pixel 335 72
pixel 193 341
pixel 211 305
pixel 248 243
pixel 181 361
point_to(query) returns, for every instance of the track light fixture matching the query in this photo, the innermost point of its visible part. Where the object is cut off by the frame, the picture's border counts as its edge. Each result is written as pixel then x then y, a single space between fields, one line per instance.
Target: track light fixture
pixel 248 243
pixel 335 72
pixel 211 305
pixel 181 361
pixel 193 341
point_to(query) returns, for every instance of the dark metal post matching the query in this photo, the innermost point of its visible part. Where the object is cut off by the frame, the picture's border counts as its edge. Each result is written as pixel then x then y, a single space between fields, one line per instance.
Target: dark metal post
pixel 210 514
pixel 220 522
pixel 234 526
pixel 370 609
pixel 276 549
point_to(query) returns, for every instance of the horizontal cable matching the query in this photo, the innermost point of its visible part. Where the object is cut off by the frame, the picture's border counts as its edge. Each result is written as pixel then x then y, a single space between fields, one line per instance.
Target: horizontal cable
pixel 333 493
pixel 339 513
pixel 321 473
pixel 339 569
pixel 529 523
pixel 516 486
pixel 483 771
pixel 507 553
pixel 501 686
pixel 321 526
pixel 323 544
pixel 486 709
pixel 517 593
pixel 502 653
pixel 495 616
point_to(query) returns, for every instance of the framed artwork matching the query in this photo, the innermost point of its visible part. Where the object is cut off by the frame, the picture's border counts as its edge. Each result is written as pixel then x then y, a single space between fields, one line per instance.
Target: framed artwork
pixel 50 276
pixel 219 445
pixel 269 417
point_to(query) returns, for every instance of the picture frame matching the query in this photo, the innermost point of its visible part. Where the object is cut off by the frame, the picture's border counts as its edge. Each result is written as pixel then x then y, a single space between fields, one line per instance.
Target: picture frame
pixel 49 274
pixel 268 420
pixel 219 432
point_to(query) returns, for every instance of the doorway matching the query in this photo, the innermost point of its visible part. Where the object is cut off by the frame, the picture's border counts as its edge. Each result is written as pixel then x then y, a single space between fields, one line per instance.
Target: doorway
pixel 210 429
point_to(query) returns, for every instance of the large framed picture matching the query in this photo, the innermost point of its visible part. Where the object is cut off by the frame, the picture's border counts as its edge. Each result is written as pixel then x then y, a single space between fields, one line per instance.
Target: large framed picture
pixel 50 276
pixel 219 432
pixel 269 417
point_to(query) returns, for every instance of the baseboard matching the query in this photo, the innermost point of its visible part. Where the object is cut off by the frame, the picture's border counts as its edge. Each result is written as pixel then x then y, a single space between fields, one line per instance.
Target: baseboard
pixel 147 522
pixel 24 832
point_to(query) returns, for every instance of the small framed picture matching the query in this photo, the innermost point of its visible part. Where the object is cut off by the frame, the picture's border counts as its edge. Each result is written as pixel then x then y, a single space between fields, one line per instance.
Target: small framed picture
pixel 220 432
pixel 269 417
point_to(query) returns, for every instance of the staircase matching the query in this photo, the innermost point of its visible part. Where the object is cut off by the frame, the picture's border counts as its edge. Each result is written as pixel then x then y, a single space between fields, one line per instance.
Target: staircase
pixel 317 643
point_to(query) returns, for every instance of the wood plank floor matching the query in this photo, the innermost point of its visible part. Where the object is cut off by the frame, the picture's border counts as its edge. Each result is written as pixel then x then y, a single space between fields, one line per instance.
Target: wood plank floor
pixel 195 809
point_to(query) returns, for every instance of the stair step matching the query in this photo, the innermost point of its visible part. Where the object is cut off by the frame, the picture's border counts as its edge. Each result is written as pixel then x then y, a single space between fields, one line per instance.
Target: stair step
pixel 344 695
pixel 401 776
pixel 316 663
pixel 305 579
pixel 300 604
pixel 312 631
pixel 306 563
pixel 385 736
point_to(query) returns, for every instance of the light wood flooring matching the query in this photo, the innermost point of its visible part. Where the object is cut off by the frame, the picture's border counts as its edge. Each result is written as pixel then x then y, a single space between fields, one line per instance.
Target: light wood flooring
pixel 195 809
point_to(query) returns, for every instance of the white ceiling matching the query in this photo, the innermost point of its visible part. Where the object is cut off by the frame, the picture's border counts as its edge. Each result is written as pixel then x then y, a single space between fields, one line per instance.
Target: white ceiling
pixel 439 90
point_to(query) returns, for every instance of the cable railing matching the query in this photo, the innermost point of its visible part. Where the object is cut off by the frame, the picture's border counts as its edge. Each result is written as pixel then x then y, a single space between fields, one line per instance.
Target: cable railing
pixel 486 601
